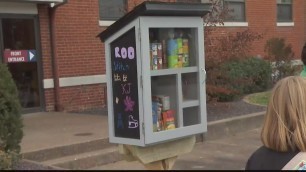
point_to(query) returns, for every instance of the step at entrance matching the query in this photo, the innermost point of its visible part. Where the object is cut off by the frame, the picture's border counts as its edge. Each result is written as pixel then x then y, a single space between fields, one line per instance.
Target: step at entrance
pixel 87 160
pixel 77 156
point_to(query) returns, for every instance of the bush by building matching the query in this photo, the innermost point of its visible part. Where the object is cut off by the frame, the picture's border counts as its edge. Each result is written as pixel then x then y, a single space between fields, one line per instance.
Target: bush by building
pixel 239 77
pixel 281 54
pixel 10 120
pixel 249 75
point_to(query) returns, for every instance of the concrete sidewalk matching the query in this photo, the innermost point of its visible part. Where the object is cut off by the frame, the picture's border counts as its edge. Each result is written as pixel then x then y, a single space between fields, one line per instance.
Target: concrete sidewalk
pixel 51 130
pixel 45 130
pixel 230 153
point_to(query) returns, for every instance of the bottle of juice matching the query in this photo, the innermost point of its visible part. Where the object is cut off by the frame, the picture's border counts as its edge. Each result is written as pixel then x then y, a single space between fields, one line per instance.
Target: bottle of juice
pixel 172 50
pixel 185 52
pixel 179 41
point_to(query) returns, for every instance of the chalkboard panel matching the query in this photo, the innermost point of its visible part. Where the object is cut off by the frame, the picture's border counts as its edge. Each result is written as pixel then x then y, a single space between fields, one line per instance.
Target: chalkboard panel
pixel 125 87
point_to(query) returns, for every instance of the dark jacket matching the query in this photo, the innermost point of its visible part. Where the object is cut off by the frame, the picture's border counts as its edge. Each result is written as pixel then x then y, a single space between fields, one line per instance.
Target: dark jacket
pixel 266 159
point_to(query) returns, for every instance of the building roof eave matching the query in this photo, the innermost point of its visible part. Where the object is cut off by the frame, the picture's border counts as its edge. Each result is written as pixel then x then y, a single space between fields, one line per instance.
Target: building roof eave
pixel 151 8
pixel 51 2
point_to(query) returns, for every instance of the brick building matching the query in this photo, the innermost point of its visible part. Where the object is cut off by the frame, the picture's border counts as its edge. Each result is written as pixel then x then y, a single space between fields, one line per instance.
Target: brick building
pixel 58 63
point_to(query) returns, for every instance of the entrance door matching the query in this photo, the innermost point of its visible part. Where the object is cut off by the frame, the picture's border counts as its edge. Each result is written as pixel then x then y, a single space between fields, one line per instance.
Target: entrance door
pixel 19 52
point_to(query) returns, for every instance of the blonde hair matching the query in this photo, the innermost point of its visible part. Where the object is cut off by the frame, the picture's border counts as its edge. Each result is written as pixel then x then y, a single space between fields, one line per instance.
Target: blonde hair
pixel 284 127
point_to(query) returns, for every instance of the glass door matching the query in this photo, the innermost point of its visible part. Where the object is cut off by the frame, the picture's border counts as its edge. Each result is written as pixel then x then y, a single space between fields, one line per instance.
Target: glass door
pixel 19 52
pixel 173 63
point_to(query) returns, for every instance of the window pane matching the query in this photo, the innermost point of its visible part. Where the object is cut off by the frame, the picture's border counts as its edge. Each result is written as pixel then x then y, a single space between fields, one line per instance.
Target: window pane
pixel 189 1
pixel 284 13
pixel 112 9
pixel 206 2
pixel 236 0
pixel 284 1
pixel 19 34
pixel 238 11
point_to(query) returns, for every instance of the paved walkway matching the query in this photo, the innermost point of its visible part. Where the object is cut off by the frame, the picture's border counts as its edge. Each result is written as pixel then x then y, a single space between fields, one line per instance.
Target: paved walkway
pixel 52 129
pixel 229 153
pixel 44 130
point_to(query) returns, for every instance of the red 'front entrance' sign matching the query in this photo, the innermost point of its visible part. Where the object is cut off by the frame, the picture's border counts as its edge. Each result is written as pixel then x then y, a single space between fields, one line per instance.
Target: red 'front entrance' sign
pixel 17 56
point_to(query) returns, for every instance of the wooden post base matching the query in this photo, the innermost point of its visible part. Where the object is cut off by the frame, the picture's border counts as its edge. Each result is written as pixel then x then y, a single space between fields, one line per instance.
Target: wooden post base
pixel 165 164
pixel 158 157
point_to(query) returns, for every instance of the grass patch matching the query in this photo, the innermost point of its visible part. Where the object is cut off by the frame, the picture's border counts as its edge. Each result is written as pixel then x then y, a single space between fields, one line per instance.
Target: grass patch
pixel 259 98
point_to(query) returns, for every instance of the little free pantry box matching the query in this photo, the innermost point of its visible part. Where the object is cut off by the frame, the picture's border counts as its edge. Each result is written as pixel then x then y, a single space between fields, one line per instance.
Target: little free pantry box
pixel 155 73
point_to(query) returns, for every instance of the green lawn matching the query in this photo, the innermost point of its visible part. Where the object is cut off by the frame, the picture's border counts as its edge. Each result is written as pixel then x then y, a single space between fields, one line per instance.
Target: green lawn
pixel 259 98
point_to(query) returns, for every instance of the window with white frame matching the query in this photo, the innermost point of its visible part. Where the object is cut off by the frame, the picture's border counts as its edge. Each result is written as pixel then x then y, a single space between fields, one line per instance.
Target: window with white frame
pixel 111 10
pixel 206 2
pixel 284 10
pixel 193 1
pixel 236 8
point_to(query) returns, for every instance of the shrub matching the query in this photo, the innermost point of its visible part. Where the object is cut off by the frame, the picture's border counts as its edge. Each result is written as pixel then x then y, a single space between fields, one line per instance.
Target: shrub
pixel 221 47
pixel 10 120
pixel 220 93
pixel 8 159
pixel 248 75
pixel 281 54
pixel 238 77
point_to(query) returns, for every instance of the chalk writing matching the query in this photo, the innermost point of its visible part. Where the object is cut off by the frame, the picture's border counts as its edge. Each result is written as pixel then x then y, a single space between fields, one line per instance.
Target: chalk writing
pixel 119 66
pixel 126 88
pixel 117 77
pixel 125 52
pixel 124 77
pixel 129 104
pixel 119 121
pixel 132 122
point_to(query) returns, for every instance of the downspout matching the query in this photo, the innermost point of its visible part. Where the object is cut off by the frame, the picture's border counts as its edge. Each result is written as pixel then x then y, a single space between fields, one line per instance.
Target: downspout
pixel 54 57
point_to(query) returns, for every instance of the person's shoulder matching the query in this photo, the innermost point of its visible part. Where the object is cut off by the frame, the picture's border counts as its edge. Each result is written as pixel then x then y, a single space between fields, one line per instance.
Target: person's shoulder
pixel 256 157
pixel 259 152
pixel 266 158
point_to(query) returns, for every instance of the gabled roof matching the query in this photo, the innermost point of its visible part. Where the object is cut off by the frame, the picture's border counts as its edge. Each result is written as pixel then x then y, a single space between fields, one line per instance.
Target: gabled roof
pixel 149 8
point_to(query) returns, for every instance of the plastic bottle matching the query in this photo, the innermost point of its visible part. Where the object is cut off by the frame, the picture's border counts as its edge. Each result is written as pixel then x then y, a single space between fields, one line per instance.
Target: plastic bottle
pixel 185 52
pixel 172 50
pixel 179 41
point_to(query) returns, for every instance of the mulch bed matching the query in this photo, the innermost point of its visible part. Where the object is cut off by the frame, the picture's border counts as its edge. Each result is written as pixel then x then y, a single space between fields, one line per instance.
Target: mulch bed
pixel 215 110
pixel 223 110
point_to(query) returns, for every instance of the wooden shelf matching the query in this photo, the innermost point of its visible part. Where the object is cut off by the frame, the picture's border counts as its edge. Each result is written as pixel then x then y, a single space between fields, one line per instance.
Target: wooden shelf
pixel 161 72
